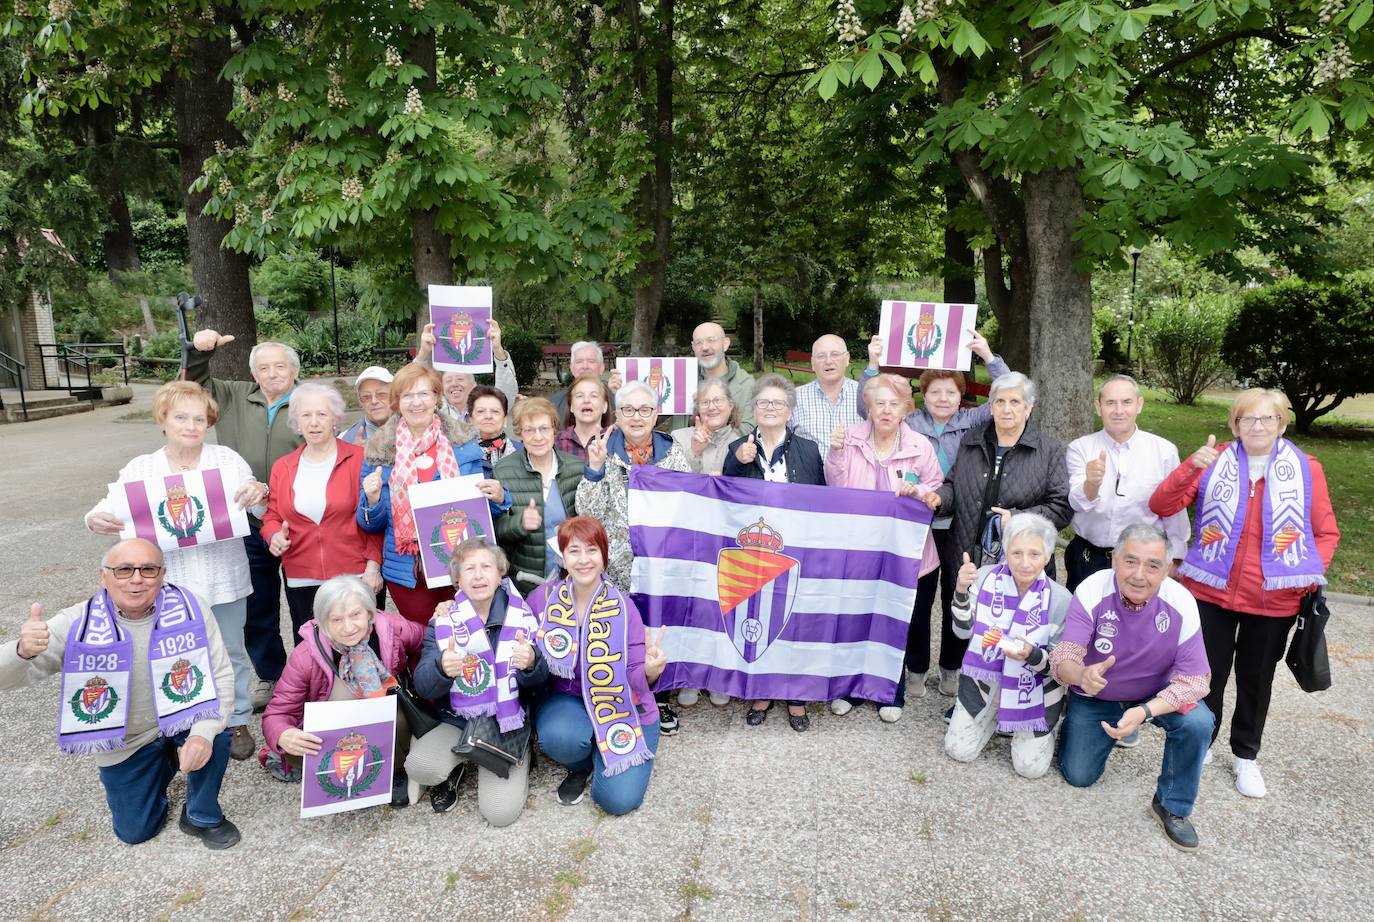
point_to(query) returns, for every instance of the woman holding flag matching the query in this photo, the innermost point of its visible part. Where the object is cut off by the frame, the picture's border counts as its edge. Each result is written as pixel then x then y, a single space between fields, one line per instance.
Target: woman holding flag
pixel 599 720
pixel 216 572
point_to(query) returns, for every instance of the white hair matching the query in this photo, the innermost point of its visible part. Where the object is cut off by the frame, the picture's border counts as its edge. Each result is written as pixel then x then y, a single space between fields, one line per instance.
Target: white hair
pixel 634 387
pixel 1143 532
pixel 290 353
pixel 1014 380
pixel 314 389
pixel 582 344
pixel 789 390
pixel 1031 524
pixel 340 590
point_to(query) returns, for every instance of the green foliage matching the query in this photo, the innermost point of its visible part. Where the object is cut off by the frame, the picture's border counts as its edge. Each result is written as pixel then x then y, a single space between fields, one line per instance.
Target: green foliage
pixel 294 284
pixel 162 241
pixel 525 353
pixel 1184 342
pixel 1310 340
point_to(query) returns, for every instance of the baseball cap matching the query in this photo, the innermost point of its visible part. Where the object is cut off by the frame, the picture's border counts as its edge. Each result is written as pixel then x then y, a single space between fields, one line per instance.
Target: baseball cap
pixel 375 373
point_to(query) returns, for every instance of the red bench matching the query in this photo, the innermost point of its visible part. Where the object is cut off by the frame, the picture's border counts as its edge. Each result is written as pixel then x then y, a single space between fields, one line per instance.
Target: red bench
pixel 794 360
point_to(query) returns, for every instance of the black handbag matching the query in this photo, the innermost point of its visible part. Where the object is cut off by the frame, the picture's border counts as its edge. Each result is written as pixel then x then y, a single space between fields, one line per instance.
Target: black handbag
pixel 420 714
pixel 483 742
pixel 1307 651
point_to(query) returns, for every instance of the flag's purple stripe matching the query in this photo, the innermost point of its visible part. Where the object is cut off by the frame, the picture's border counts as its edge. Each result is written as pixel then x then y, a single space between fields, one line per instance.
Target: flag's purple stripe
pixel 803 497
pixel 777 687
pixel 141 510
pixel 632 369
pixel 219 510
pixel 815 563
pixel 176 480
pixel 802 627
pixel 896 334
pixel 954 335
pixel 680 404
pixel 753 607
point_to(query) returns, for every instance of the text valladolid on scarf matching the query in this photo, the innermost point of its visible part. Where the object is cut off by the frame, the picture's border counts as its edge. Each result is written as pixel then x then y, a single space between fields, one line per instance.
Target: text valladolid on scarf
pixel 1288 554
pixel 598 651
pixel 486 683
pixel 405 473
pixel 96 669
pixel 1021 698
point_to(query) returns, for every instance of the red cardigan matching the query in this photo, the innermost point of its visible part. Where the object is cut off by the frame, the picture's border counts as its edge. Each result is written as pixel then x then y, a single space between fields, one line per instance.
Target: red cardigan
pixel 1245 590
pixel 336 545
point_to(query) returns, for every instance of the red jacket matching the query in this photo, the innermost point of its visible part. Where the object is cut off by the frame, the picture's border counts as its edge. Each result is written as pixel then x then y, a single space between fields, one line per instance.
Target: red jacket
pixel 336 545
pixel 308 676
pixel 1245 590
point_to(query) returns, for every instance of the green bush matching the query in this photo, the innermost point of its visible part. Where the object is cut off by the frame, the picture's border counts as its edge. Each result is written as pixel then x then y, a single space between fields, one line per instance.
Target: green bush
pixel 1184 341
pixel 525 352
pixel 161 241
pixel 1310 340
pixel 294 284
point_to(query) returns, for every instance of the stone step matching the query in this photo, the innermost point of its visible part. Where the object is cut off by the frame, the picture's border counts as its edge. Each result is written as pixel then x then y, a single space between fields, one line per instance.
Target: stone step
pixel 48 404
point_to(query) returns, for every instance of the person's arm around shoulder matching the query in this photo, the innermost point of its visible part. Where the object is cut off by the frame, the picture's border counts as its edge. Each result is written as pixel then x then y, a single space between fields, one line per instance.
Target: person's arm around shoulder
pixel 37 653
pixel 1060 597
pixel 286 708
pixel 430 681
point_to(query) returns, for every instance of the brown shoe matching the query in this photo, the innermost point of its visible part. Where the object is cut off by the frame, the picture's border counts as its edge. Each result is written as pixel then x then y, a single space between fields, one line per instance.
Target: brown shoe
pixel 242 746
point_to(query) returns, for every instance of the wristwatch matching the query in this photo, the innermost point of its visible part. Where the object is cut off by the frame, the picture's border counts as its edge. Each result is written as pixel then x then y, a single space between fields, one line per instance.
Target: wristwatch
pixel 1149 715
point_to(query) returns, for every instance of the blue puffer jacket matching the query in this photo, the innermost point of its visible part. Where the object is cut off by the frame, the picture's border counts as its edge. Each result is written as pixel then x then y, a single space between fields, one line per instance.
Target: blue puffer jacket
pixel 399 568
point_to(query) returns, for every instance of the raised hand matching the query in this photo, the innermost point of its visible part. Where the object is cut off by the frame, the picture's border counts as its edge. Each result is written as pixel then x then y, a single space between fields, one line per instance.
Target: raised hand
pixel 250 493
pixel 193 754
pixel 427 337
pixel 372 486
pixel 654 657
pixel 298 743
pixel 979 346
pixel 530 519
pixel 1005 514
pixel 1207 455
pixel 701 436
pixel 491 489
pixel 748 449
pixel 1093 472
pixel 33 636
pixel 451 663
pixel 494 334
pixel 597 449
pixel 209 340
pixel 105 523
pixel 1094 679
pixel 522 657
pixel 875 352
pixel 614 382
pixel 281 540
pixel 837 438
pixel 967 574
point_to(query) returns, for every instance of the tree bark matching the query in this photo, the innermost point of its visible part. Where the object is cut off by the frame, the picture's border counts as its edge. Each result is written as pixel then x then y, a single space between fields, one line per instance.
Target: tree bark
pixel 433 248
pixel 121 253
pixel 655 199
pixel 596 323
pixel 758 330
pixel 202 102
pixel 960 287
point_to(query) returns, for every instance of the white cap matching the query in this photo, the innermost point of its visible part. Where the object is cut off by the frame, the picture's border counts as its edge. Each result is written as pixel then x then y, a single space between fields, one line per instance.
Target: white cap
pixel 375 373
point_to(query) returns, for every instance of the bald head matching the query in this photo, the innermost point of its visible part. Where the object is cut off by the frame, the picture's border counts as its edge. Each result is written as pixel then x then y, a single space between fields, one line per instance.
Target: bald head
pixel 709 345
pixel 829 359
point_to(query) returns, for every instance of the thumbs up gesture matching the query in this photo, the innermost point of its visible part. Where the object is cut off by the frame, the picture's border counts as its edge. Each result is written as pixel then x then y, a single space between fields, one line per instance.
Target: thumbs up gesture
pixel 1094 676
pixel 967 574
pixel 1207 455
pixel 1093 473
pixel 837 438
pixel 451 662
pixel 530 519
pixel 33 636
pixel 209 340
pixel 748 449
pixel 372 485
pixel 522 657
pixel 654 657
pixel 281 540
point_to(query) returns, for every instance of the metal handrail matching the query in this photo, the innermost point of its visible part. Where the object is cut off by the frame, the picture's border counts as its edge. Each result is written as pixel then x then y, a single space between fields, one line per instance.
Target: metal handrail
pixel 15 367
pixel 84 356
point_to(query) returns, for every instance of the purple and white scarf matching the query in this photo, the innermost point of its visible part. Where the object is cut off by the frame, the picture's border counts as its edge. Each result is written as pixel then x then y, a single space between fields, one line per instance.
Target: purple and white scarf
pixel 486 683
pixel 1021 697
pixel 97 662
pixel 597 649
pixel 1288 551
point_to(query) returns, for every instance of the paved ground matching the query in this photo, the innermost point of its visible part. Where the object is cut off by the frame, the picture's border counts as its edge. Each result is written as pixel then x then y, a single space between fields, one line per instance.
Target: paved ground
pixel 853 820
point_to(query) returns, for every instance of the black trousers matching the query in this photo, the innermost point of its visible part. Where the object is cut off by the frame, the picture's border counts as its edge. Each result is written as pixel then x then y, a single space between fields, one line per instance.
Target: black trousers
pixel 1253 646
pixel 262 628
pixel 300 600
pixel 918 635
pixel 1082 560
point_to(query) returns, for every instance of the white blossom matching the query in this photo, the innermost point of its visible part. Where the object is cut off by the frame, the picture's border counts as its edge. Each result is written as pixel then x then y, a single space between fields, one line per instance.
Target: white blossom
pixel 285 93
pixel 352 188
pixel 847 22
pixel 925 9
pixel 1334 66
pixel 1330 9
pixel 392 57
pixel 60 9
pixel 414 104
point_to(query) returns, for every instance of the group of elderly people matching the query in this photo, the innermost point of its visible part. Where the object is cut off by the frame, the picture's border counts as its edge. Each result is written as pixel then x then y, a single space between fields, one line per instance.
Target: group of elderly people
pixel 1148 628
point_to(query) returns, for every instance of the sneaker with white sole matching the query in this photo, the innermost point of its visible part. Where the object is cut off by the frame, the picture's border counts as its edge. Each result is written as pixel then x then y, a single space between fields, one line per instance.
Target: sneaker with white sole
pixel 890 714
pixel 1208 759
pixel 949 682
pixel 719 700
pixel 916 684
pixel 1249 781
pixel 840 707
pixel 688 697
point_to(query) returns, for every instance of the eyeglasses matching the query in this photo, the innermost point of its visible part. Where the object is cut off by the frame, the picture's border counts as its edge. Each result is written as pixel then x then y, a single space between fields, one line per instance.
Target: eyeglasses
pixel 1252 422
pixel 641 412
pixel 124 571
pixel 832 356
pixel 417 397
pixel 771 404
pixel 712 402
pixel 536 432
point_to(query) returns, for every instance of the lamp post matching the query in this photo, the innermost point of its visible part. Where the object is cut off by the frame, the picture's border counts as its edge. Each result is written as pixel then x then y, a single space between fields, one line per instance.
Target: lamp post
pixel 334 298
pixel 1130 330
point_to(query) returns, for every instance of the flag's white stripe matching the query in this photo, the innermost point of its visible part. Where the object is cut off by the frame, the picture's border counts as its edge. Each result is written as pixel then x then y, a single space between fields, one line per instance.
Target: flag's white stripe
pixel 713 648
pixel 799 527
pixel 687 578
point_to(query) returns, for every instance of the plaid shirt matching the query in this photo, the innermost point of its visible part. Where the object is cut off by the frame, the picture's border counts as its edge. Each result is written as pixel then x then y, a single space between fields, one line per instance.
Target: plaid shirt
pixel 568 444
pixel 815 417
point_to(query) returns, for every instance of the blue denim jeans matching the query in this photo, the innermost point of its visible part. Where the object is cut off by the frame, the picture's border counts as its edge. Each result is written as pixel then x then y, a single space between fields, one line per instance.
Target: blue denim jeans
pixel 230 616
pixel 1084 748
pixel 262 627
pixel 136 789
pixel 565 735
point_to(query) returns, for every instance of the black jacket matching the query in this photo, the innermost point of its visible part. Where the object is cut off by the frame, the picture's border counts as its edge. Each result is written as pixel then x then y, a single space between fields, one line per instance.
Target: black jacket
pixel 801 454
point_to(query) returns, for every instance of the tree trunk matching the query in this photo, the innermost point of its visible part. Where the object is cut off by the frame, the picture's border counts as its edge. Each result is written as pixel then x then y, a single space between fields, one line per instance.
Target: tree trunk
pixel 121 252
pixel 758 331
pixel 433 248
pixel 1010 305
pixel 960 287
pixel 98 134
pixel 147 316
pixel 596 323
pixel 655 187
pixel 202 103
pixel 1061 309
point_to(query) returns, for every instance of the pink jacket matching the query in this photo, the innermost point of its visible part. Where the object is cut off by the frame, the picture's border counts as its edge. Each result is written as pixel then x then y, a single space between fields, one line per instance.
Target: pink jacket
pixel 308 676
pixel 855 465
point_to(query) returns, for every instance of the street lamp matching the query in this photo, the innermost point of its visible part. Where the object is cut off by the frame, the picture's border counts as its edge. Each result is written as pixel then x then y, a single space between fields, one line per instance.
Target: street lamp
pixel 1130 329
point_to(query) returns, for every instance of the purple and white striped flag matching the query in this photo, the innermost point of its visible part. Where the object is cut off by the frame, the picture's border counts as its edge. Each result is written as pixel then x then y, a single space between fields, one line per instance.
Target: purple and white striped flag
pixel 674 380
pixel 924 334
pixel 775 590
pixel 181 510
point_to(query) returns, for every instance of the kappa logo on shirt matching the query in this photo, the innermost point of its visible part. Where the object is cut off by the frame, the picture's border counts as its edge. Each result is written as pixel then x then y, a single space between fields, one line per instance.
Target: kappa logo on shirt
pixel 1110 615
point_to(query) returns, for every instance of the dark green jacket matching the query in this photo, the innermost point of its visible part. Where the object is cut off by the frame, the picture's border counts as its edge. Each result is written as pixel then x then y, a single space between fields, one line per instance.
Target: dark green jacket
pixel 242 422
pixel 526 549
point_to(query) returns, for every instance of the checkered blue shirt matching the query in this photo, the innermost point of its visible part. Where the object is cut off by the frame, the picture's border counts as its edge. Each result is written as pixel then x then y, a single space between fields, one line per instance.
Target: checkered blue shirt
pixel 816 417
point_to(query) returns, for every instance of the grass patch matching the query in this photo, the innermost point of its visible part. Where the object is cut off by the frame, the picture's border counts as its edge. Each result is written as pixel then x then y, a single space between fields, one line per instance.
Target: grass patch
pixel 846 905
pixel 51 820
pixel 919 776
pixel 194 895
pixel 697 891
pixel 583 849
pixel 135 416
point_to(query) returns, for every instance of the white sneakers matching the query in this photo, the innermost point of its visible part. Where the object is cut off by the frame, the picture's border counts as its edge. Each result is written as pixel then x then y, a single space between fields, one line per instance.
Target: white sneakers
pixel 916 684
pixel 719 700
pixel 688 697
pixel 949 682
pixel 1249 781
pixel 890 714
pixel 840 707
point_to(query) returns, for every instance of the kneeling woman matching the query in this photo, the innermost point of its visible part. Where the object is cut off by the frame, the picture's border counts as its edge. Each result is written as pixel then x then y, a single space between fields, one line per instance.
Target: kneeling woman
pixel 478 660
pixel 350 650
pixel 593 638
pixel 1015 614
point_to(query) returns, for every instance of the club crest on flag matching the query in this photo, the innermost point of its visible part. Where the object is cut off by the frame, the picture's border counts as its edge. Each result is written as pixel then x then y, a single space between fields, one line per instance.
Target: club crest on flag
pixel 95 701
pixel 182 682
pixel 180 513
pixel 455 526
pixel 924 336
pixel 756 585
pixel 461 338
pixel 660 384
pixel 351 767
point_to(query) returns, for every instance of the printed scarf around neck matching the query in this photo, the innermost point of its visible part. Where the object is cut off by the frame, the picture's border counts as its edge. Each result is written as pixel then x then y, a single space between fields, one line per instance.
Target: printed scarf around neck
pixel 1288 549
pixel 359 666
pixel 97 663
pixel 1021 695
pixel 597 650
pixel 486 684
pixel 405 472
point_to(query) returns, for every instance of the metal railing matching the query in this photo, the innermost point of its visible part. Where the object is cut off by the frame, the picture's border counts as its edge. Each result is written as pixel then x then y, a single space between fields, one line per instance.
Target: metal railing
pixel 85 357
pixel 12 366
